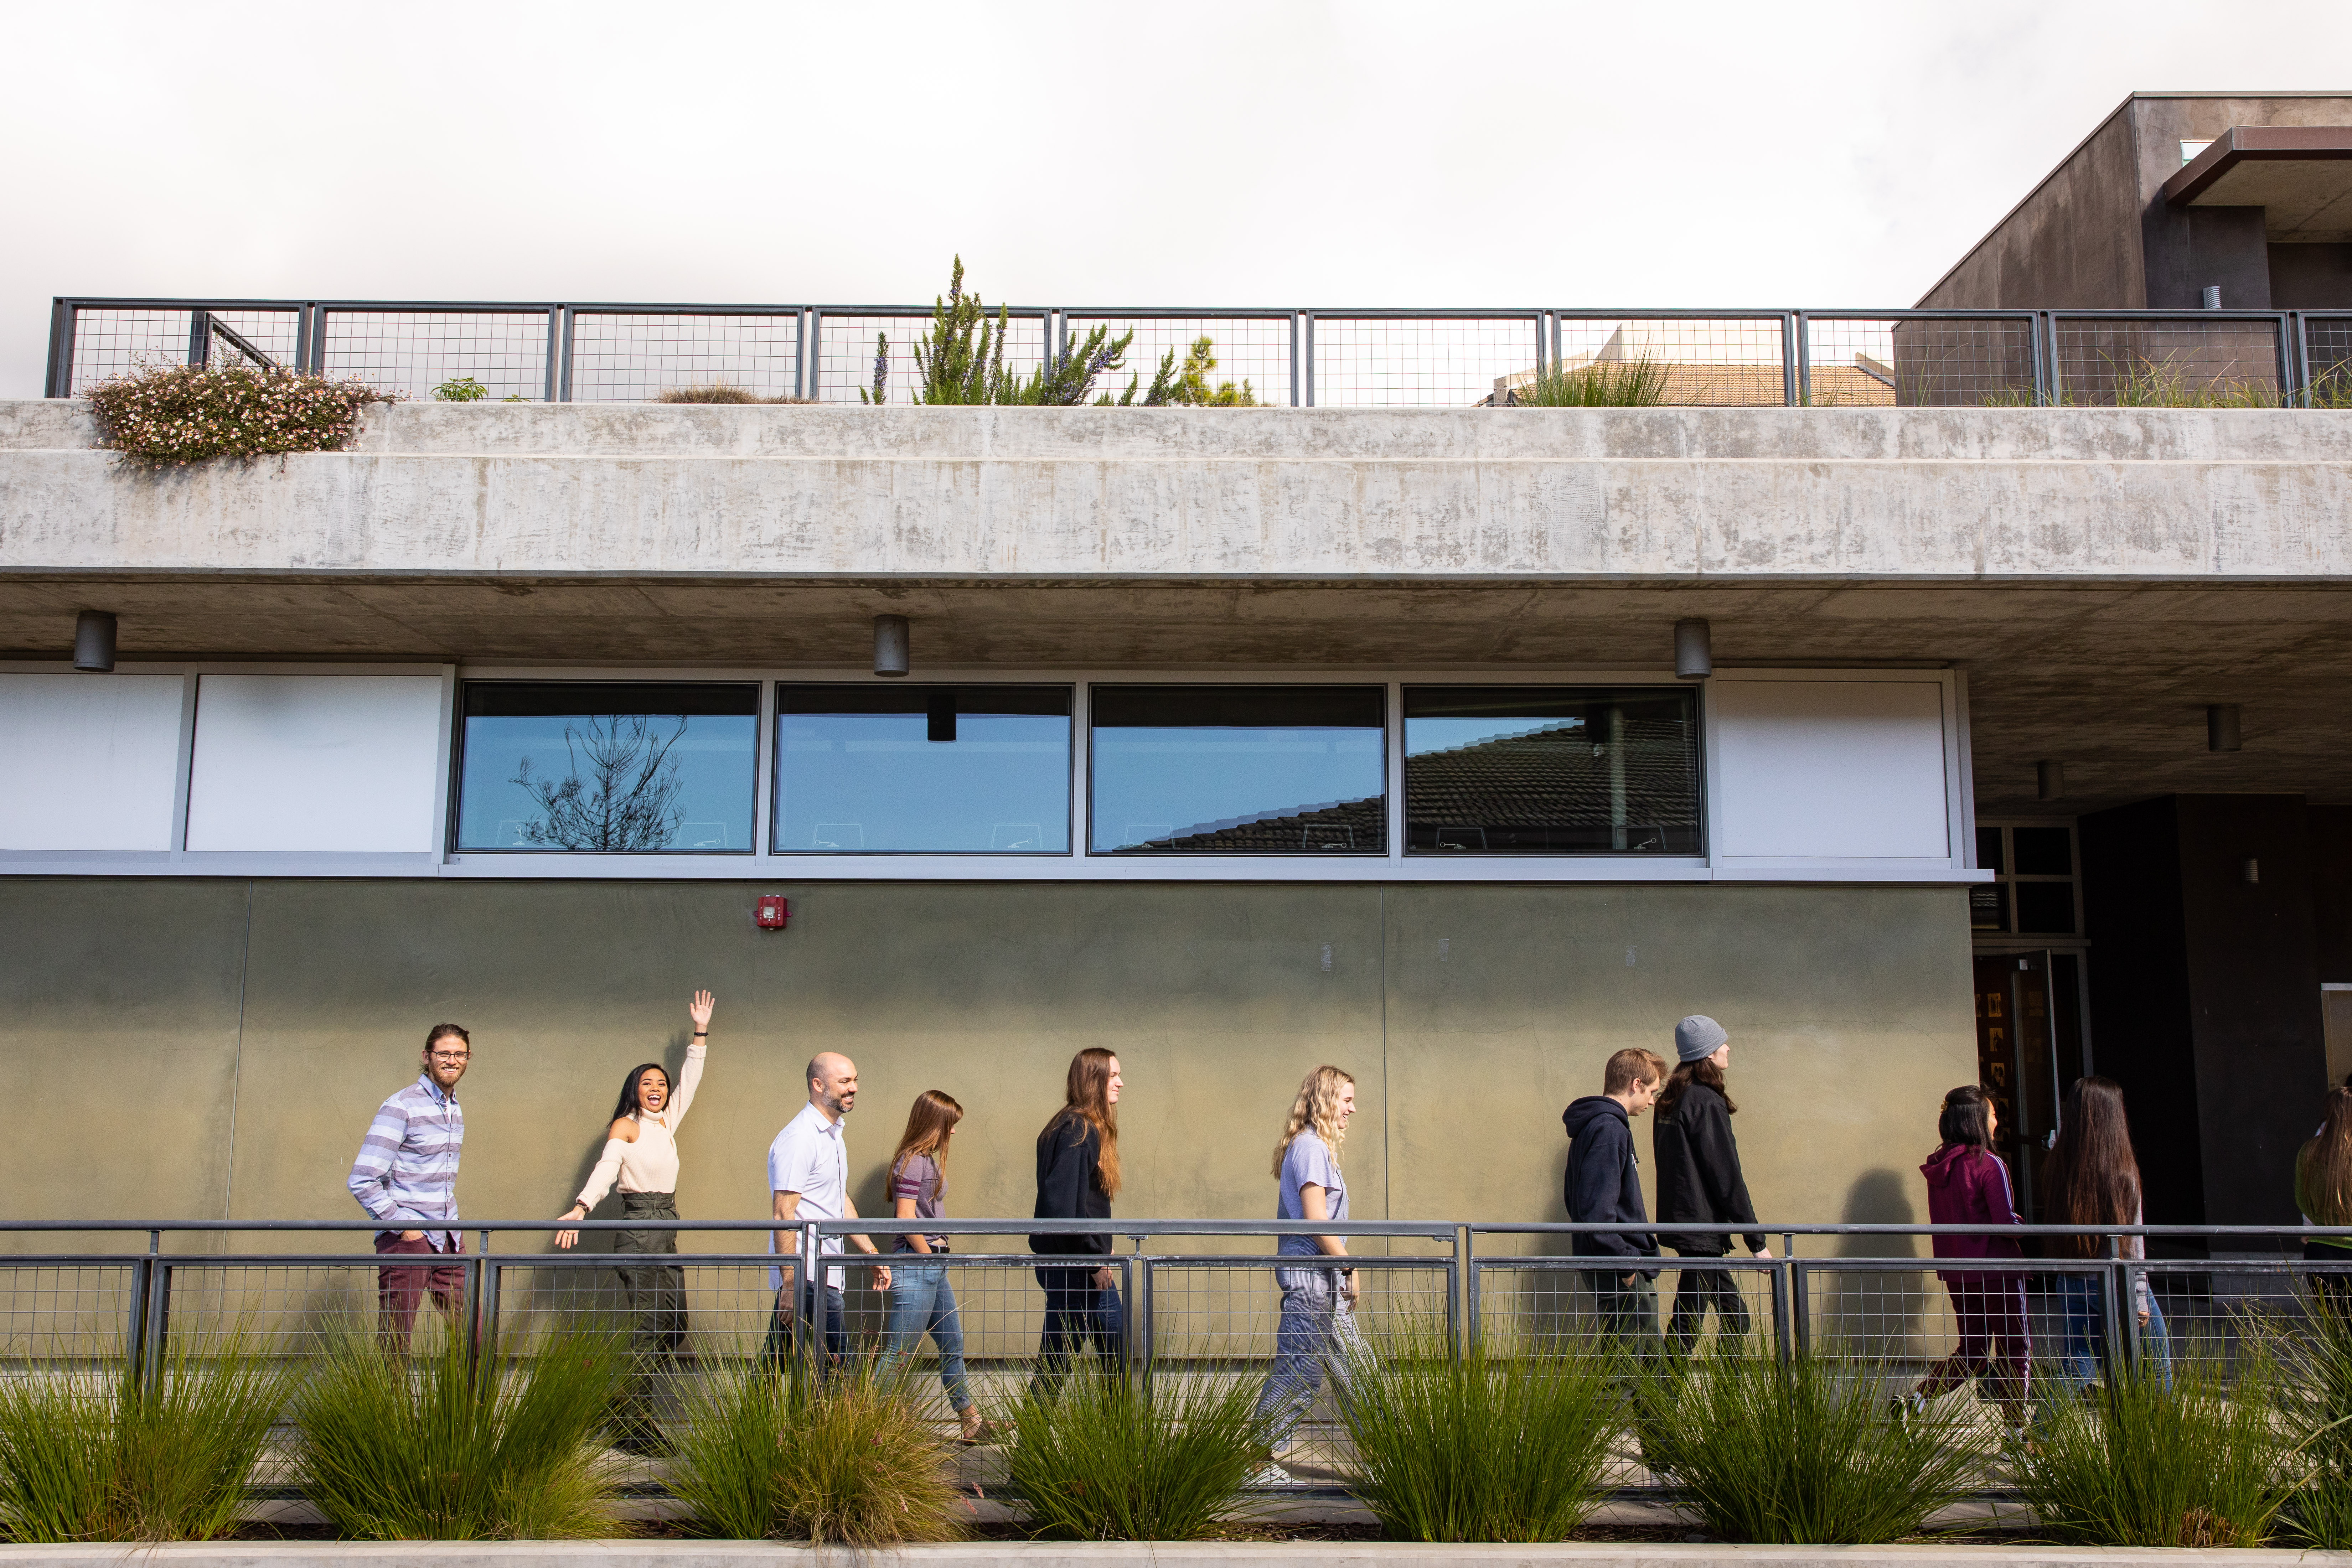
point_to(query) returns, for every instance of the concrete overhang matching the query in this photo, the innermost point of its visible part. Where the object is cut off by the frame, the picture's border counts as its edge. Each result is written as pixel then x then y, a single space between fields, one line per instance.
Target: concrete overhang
pixel 2300 175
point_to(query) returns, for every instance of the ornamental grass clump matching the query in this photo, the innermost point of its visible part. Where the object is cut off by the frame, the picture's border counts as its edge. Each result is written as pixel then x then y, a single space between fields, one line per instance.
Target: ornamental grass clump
pixel 1108 1458
pixel 1488 1447
pixel 95 1456
pixel 441 1445
pixel 718 392
pixel 1806 1452
pixel 2202 1459
pixel 162 415
pixel 2316 1410
pixel 1639 382
pixel 763 1455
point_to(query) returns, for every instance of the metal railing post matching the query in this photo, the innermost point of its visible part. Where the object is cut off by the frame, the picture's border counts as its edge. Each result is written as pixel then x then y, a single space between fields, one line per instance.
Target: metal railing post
pixel 1296 389
pixel 1796 362
pixel 1464 1293
pixel 2114 1291
pixel 59 380
pixel 812 1284
pixel 135 1332
pixel 200 336
pixel 2294 374
pixel 318 340
pixel 1800 1303
pixel 2048 388
pixel 156 1326
pixel 481 1298
pixel 815 360
pixel 554 349
pixel 800 353
pixel 563 369
pixel 1783 1301
pixel 1141 1340
pixel 302 338
pixel 1307 338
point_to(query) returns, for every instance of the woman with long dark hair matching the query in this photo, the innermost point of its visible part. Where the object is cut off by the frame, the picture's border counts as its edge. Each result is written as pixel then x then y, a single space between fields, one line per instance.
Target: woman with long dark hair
pixel 2322 1191
pixel 2091 1177
pixel 921 1299
pixel 1078 1176
pixel 641 1158
pixel 1968 1185
pixel 1699 1180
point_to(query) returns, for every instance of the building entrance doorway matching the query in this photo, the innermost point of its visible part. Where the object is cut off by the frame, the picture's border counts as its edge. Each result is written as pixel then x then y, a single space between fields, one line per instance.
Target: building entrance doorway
pixel 2029 1047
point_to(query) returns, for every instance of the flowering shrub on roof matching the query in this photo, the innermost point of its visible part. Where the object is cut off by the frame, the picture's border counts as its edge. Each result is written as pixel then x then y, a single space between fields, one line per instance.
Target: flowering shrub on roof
pixel 160 415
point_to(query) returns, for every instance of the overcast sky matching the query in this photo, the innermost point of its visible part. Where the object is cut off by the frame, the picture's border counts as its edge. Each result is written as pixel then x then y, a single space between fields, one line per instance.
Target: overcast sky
pixel 1261 153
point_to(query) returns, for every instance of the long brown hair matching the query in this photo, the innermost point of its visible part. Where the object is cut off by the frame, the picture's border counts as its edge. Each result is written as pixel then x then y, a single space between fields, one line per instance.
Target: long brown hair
pixel 1317 1107
pixel 1703 1071
pixel 929 1124
pixel 1086 1096
pixel 2323 1167
pixel 2089 1177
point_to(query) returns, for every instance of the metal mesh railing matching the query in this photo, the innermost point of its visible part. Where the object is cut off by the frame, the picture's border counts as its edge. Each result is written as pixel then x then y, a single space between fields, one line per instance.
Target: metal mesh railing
pixel 1332 359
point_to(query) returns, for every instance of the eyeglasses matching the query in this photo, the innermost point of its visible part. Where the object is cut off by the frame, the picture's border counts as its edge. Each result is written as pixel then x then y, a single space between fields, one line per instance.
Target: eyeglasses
pixel 451 1056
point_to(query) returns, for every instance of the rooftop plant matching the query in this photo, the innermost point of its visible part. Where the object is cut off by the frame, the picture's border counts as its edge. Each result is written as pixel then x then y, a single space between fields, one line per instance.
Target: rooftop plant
pixel 1106 1458
pixel 460 389
pixel 719 391
pixel 162 415
pixel 1638 383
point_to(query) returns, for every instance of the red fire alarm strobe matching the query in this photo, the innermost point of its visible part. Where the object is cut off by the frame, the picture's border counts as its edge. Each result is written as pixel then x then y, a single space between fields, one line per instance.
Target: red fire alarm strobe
pixel 771 912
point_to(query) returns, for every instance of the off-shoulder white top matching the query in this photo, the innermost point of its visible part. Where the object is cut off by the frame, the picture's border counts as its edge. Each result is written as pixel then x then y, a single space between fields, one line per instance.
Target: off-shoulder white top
pixel 650 1165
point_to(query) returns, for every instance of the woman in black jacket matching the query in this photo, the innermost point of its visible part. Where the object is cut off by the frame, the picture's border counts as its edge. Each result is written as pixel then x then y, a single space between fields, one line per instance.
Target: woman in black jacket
pixel 1699 1180
pixel 1078 1176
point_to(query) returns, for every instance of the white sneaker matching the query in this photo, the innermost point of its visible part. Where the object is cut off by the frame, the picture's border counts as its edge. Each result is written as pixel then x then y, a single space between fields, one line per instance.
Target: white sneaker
pixel 1273 1475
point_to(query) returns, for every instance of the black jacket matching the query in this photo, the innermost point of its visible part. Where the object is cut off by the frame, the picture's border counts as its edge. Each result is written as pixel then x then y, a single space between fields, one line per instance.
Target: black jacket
pixel 1605 1178
pixel 1699 1172
pixel 1067 1188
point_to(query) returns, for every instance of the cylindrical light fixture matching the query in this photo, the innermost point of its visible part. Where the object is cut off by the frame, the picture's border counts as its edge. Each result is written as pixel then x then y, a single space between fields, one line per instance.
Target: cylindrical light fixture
pixel 2222 727
pixel 94 641
pixel 1694 649
pixel 891 643
pixel 2050 780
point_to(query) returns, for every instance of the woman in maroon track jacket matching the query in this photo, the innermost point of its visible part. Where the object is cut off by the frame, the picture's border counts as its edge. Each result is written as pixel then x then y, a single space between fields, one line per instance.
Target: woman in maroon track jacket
pixel 1968 1185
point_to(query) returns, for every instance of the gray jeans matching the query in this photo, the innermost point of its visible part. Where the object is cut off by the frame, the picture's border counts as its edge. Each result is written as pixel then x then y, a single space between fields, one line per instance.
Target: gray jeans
pixel 1317 1334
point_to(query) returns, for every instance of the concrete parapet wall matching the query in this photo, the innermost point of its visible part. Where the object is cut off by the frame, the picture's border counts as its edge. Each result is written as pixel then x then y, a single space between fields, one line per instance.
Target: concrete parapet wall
pixel 644 490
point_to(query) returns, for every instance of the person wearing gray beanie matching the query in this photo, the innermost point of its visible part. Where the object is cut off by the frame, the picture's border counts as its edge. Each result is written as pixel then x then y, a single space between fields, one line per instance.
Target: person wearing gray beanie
pixel 1699 1181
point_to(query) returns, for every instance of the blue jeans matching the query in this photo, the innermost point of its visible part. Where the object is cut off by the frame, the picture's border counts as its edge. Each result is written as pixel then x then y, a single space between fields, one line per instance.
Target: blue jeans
pixel 788 1327
pixel 923 1302
pixel 2081 1347
pixel 1077 1310
pixel 1316 1334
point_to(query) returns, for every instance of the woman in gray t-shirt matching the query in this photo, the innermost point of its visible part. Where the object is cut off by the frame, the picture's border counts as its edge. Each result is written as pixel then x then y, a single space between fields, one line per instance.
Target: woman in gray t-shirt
pixel 921 1299
pixel 1318 1331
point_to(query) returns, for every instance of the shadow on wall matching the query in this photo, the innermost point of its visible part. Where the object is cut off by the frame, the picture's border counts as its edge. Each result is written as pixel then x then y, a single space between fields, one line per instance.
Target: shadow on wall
pixel 1874 1312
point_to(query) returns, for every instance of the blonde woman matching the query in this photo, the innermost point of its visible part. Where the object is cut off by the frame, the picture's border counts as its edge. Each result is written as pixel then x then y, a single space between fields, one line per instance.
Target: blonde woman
pixel 1318 1331
pixel 2322 1191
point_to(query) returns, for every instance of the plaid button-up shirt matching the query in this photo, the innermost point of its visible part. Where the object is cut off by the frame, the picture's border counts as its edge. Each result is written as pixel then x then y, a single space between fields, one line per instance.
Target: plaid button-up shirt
pixel 406 1174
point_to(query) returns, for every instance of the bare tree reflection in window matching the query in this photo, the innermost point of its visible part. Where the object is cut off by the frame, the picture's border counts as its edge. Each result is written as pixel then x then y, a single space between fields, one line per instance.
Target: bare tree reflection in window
pixel 629 799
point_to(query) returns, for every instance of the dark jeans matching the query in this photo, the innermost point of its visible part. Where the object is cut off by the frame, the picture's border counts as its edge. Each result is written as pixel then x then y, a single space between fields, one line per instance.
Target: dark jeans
pixel 1628 1326
pixel 1994 1343
pixel 398 1290
pixel 788 1329
pixel 1077 1310
pixel 1699 1288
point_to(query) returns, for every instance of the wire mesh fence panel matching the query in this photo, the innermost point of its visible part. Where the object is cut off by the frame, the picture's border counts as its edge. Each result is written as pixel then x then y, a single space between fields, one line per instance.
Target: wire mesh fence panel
pixel 619 358
pixel 301 1310
pixel 109 342
pixel 70 1314
pixel 2179 363
pixel 1380 362
pixel 1700 362
pixel 1245 362
pixel 1551 1307
pixel 2327 360
pixel 846 352
pixel 1920 363
pixel 411 352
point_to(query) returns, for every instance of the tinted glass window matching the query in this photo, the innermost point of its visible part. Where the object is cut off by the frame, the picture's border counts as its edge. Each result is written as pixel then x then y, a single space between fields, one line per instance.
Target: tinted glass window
pixel 607 765
pixel 1988 849
pixel 870 769
pixel 1281 770
pixel 1550 770
pixel 2043 851
pixel 2044 908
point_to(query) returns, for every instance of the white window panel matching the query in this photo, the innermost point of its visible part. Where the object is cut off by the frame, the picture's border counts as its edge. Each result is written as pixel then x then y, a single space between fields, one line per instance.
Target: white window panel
pixel 92 761
pixel 1839 770
pixel 315 762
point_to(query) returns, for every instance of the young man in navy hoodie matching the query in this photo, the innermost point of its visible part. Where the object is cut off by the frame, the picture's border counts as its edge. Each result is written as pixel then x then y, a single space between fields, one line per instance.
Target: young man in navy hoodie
pixel 1604 1183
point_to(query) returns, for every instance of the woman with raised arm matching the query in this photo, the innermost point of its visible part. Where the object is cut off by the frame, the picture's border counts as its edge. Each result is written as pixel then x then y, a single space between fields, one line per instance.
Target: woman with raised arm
pixel 1078 1176
pixel 2091 1177
pixel 641 1158
pixel 921 1299
pixel 1317 1332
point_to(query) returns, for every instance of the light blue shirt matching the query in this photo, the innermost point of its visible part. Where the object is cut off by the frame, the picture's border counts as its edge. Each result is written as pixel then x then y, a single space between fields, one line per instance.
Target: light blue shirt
pixel 809 1157
pixel 1309 1161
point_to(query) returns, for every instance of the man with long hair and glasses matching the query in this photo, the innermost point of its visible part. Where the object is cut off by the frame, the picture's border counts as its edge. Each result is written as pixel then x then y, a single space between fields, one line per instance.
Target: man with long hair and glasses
pixel 1317 1327
pixel 1078 1176
pixel 407 1177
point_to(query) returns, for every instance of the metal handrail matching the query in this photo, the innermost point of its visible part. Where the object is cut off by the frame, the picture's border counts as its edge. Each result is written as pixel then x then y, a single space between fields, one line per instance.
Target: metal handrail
pixel 1119 1226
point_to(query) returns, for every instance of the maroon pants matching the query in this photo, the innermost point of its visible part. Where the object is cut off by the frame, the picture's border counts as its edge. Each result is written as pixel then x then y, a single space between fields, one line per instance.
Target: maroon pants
pixel 1993 1338
pixel 397 1290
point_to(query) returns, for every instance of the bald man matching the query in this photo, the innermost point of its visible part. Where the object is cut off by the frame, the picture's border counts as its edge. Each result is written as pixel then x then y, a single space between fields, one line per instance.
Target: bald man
pixel 808 1177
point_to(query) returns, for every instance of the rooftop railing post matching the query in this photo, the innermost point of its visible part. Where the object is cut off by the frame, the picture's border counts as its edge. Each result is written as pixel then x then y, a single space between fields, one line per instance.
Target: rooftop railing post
pixel 1462 1297
pixel 1297 387
pixel 815 335
pixel 1801 1302
pixel 2284 358
pixel 554 349
pixel 153 1320
pixel 1140 1340
pixel 1796 368
pixel 302 338
pixel 318 340
pixel 1547 344
pixel 1306 337
pixel 2048 387
pixel 135 1332
pixel 800 352
pixel 59 380
pixel 563 373
pixel 2300 332
pixel 200 336
pixel 1783 1303
pixel 481 1299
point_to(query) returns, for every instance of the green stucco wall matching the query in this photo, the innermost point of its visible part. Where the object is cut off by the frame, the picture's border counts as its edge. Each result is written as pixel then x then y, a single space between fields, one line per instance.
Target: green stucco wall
pixel 203 1049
